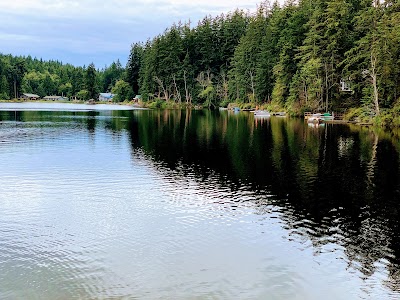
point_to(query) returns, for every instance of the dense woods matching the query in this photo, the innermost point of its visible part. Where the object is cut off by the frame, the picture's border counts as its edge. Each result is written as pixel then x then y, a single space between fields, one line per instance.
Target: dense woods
pixel 31 75
pixel 305 55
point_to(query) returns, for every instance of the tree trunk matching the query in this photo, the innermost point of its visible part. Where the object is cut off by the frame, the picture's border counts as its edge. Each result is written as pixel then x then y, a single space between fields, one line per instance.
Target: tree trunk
pixel 374 82
pixel 162 87
pixel 15 88
pixel 177 93
pixel 252 85
pixel 187 94
pixel 326 88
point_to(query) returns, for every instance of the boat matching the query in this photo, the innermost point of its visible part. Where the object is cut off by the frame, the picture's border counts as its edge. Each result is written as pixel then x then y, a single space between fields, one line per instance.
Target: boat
pixel 236 109
pixel 328 117
pixel 315 118
pixel 261 113
pixel 319 118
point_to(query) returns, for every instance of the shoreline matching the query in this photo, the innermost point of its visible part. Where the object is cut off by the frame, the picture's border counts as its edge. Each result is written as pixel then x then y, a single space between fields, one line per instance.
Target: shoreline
pixel 31 105
pixel 62 106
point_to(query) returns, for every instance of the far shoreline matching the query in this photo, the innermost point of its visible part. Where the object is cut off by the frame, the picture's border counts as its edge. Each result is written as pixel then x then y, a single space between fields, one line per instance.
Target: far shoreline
pixel 6 105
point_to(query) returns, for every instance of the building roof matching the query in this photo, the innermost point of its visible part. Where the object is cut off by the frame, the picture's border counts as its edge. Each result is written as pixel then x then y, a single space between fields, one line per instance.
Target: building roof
pixel 30 95
pixel 107 95
pixel 55 98
pixel 52 97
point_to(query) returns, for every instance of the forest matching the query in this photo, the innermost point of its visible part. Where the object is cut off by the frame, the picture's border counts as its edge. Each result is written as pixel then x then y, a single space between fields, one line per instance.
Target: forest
pixel 302 56
pixel 31 75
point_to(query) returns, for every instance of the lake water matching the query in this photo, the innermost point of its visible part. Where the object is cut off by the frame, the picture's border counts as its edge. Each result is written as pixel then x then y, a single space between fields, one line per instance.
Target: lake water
pixel 195 205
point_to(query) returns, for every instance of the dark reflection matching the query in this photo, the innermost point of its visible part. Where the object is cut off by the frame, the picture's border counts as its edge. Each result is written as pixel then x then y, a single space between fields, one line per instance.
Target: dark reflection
pixel 336 184
pixel 91 121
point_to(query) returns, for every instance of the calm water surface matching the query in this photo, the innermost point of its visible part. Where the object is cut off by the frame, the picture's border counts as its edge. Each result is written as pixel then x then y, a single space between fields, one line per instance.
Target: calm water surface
pixel 195 205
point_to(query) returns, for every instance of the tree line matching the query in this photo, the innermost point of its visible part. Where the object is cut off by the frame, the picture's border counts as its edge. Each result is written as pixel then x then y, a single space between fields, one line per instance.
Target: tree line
pixel 31 75
pixel 304 55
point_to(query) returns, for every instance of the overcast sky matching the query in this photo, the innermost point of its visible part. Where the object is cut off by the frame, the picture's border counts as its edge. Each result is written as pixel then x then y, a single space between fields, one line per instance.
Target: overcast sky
pixel 99 31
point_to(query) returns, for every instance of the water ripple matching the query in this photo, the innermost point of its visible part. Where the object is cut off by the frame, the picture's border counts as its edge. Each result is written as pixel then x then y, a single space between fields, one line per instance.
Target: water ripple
pixel 92 211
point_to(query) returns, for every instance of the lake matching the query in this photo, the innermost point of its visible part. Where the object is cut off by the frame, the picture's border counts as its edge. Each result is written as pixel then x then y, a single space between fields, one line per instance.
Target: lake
pixel 147 204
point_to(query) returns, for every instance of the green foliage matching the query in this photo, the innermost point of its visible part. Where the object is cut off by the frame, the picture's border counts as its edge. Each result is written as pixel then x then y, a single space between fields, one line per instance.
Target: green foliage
pixel 122 91
pixel 32 75
pixel 158 103
pixel 252 59
pixel 109 76
pixel 90 81
pixel 385 118
pixel 354 114
pixel 134 65
pixel 4 96
pixel 4 88
pixel 83 95
pixel 208 94
pixel 172 62
pixel 294 56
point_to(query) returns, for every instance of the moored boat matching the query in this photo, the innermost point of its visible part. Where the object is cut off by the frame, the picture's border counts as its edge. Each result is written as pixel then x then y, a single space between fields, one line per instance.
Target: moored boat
pixel 315 118
pixel 261 113
pixel 236 109
pixel 328 117
pixel 319 118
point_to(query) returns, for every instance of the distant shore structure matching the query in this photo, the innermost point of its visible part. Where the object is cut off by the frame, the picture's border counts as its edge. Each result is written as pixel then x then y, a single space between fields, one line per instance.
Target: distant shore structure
pixel 106 97
pixel 27 96
pixel 55 98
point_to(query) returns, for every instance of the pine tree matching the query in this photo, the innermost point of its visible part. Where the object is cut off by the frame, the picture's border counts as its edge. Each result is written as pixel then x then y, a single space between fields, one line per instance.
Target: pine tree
pixel 247 55
pixel 90 81
pixel 370 57
pixel 288 25
pixel 133 66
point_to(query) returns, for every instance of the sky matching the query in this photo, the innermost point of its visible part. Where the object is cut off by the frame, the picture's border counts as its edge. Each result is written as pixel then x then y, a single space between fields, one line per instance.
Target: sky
pixel 99 31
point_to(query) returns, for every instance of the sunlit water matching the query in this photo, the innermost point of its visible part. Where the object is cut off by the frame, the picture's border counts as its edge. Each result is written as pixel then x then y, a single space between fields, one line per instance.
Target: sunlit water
pixel 195 205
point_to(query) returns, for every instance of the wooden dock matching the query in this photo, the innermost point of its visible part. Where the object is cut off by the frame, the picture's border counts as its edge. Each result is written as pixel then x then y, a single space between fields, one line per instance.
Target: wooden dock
pixel 307 115
pixel 339 122
pixel 339 116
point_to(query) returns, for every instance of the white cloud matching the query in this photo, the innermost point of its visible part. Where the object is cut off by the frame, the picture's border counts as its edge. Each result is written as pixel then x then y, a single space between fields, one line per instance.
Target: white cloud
pixel 87 7
pixel 93 27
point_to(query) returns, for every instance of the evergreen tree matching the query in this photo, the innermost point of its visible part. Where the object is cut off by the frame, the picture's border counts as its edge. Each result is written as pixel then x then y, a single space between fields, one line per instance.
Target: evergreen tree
pixel 90 81
pixel 133 66
pixel 15 75
pixel 247 57
pixel 288 25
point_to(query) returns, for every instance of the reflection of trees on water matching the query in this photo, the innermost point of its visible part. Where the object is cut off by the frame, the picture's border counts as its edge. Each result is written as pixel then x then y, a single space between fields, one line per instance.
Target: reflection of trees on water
pixel 335 185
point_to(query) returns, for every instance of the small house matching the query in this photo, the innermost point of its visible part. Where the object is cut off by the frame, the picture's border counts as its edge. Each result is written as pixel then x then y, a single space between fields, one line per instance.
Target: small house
pixel 137 98
pixel 27 96
pixel 106 97
pixel 55 98
pixel 345 85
